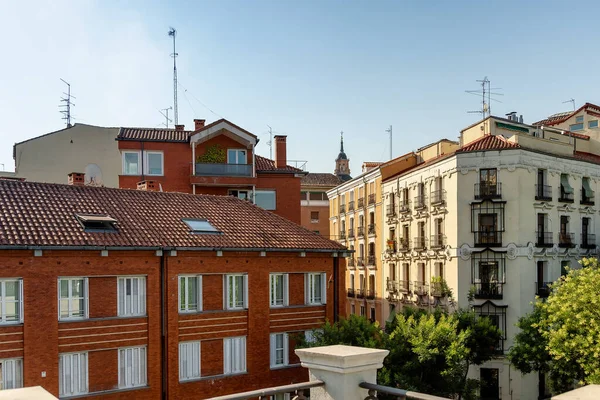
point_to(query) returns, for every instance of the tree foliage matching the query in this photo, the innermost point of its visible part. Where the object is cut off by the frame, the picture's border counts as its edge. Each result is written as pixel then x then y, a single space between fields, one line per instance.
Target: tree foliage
pixel 561 337
pixel 429 352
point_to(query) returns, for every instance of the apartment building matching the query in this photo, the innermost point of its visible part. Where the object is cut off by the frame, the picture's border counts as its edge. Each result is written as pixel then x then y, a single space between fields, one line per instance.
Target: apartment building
pixel 498 215
pixel 314 202
pixel 584 120
pixel 113 293
pixel 355 219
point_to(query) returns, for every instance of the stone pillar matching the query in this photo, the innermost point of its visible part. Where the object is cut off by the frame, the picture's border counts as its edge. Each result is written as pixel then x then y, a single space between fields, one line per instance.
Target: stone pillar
pixel 342 368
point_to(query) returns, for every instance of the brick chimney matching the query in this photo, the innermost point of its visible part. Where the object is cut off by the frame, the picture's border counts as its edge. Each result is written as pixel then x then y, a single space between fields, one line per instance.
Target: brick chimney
pixel 199 124
pixel 280 151
pixel 148 186
pixel 180 128
pixel 76 179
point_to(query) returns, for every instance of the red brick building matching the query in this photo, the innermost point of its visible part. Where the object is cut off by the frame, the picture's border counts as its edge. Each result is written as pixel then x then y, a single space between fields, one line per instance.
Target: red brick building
pixel 108 293
pixel 218 158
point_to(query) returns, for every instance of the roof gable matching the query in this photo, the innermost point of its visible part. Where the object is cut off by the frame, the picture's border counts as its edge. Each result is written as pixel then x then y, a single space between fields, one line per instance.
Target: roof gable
pixel 488 142
pixel 223 126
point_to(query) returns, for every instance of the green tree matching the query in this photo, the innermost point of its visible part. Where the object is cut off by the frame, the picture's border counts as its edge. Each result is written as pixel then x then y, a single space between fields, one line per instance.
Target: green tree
pixel 561 337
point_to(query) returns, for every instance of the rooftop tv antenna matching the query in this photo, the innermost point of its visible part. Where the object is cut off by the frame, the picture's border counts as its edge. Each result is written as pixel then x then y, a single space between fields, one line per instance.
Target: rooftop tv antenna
pixel 270 142
pixel 165 113
pixel 66 103
pixel 173 33
pixel 389 130
pixel 572 101
pixel 486 92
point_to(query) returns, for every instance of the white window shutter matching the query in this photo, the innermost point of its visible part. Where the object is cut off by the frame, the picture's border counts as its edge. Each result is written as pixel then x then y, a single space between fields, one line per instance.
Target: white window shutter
pixel 271 290
pixel 199 290
pixel 272 348
pixel 306 289
pixel 286 286
pixel 21 301
pixel 226 356
pixel 243 353
pixel 225 293
pixel 324 288
pixel 286 349
pixel 245 291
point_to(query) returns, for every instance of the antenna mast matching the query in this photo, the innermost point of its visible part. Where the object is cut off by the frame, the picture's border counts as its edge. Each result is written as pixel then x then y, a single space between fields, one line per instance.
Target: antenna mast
pixel 486 97
pixel 270 142
pixel 66 112
pixel 390 132
pixel 173 33
pixel 165 113
pixel 570 101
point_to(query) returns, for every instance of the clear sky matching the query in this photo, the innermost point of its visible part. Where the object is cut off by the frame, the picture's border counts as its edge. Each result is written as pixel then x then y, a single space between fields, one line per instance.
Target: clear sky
pixel 309 69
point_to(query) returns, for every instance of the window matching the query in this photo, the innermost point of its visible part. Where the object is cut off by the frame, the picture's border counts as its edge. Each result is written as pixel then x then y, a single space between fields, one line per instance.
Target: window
pixel 132 367
pixel 266 199
pixel 189 360
pixel 280 396
pixel 372 318
pixel 279 350
pixel 352 309
pixel 131 163
pixel 362 311
pixel 593 124
pixel 97 223
pixel 190 293
pixel 236 292
pixel 11 301
pixel 200 226
pixel 579 119
pixel 72 374
pixel 314 217
pixel 576 127
pixel 12 373
pixel 318 196
pixel 234 355
pixel 279 290
pixel 154 163
pixel 315 288
pixel 303 195
pixel 236 156
pixel 73 298
pixel 240 194
pixel 132 296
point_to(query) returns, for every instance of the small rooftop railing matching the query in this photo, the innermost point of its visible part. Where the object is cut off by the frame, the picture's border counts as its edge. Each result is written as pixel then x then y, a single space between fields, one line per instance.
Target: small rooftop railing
pixel 400 394
pixel 296 388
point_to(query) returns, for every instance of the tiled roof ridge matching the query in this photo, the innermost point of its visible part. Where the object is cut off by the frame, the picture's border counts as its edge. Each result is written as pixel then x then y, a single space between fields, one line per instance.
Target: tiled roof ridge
pixel 486 142
pixel 563 116
pixel 268 160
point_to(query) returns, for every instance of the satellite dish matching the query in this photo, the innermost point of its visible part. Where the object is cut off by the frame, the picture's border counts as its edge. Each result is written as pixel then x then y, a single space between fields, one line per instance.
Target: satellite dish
pixel 93 175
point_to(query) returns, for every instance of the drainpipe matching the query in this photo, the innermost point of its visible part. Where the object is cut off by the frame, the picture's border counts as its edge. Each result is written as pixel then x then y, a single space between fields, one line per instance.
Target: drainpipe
pixel 163 326
pixel 193 159
pixel 336 289
pixel 142 161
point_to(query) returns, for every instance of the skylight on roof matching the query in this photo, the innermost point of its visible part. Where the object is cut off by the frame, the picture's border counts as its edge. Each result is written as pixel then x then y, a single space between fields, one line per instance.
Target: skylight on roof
pixel 97 223
pixel 200 225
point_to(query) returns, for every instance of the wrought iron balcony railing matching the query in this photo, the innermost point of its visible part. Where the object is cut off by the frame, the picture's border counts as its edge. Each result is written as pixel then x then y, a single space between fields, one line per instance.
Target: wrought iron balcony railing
pixel 360 261
pixel 370 295
pixel 342 208
pixel 420 243
pixel 488 238
pixel 420 202
pixel 360 293
pixel 588 241
pixel 566 239
pixel 371 260
pixel 350 233
pixel 437 241
pixel 351 262
pixel 488 290
pixel 438 197
pixel 404 245
pixel 371 229
pixel 351 292
pixel 210 169
pixel 391 285
pixel 404 286
pixel 404 207
pixel 544 239
pixel 390 210
pixel 360 231
pixel 566 197
pixel 421 288
pixel 542 289
pixel 342 235
pixel 361 202
pixel 487 190
pixel 391 246
pixel 543 192
pixel 372 198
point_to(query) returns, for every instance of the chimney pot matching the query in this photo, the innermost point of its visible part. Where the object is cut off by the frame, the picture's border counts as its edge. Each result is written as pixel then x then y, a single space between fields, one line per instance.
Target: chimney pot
pixel 180 127
pixel 199 124
pixel 149 186
pixel 76 178
pixel 280 151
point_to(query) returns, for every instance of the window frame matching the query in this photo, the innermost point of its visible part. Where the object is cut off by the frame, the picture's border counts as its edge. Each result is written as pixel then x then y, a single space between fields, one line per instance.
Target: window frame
pixel 186 309
pixel 593 124
pixel 228 354
pixel 147 162
pixel 61 364
pixel 309 288
pixel 237 151
pixel 226 303
pixel 285 361
pixel 263 191
pixel 272 294
pixel 86 298
pixel 190 372
pixel 121 379
pixel 3 301
pixel 138 153
pixel 17 362
pixel 142 304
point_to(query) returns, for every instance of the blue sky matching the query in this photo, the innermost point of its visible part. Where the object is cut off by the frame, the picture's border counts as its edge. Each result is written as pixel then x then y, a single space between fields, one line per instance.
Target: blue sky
pixel 309 69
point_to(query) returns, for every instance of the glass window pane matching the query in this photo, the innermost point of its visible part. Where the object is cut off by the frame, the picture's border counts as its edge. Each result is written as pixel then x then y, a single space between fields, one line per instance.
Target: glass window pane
pixel 155 163
pixel 64 288
pixel 77 288
pixel 265 199
pixel 64 308
pixel 192 294
pixel 131 163
pixel 12 290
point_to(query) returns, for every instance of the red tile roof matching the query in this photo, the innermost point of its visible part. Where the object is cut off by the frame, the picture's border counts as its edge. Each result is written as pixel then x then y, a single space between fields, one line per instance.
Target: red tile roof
pixel 154 135
pixel 587 156
pixel 488 142
pixel 264 164
pixel 42 214
pixel 563 116
pixel 321 179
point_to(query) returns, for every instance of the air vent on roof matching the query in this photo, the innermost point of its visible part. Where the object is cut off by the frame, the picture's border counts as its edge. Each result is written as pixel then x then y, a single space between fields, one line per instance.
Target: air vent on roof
pixel 97 223
pixel 200 226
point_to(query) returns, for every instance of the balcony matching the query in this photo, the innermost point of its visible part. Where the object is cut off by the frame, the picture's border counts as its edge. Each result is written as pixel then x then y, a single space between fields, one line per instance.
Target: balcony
pixel 566 239
pixel 421 288
pixel 488 290
pixel 360 231
pixel 487 190
pixel 420 243
pixel 404 207
pixel 585 200
pixel 390 210
pixel 342 235
pixel 350 233
pixel 371 198
pixel 371 229
pixel 438 197
pixel 360 261
pixel 370 295
pixel 391 286
pixel 566 197
pixel 404 286
pixel 391 246
pixel 360 293
pixel 404 245
pixel 542 289
pixel 588 241
pixel 210 169
pixel 361 202
pixel 342 208
pixel 351 205
pixel 420 202
pixel 437 289
pixel 543 192
pixel 544 239
pixel 351 262
pixel 438 241
pixel 351 293
pixel 488 238
pixel 371 260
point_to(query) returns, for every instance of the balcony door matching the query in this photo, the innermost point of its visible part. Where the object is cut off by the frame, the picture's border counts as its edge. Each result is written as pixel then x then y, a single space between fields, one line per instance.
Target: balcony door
pixel 406 274
pixel 542 274
pixel 487 181
pixel 488 227
pixel 490 383
pixel 489 276
pixel 421 272
pixel 236 156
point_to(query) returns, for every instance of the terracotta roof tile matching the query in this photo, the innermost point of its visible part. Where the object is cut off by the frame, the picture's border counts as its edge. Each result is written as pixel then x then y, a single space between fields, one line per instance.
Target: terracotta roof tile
pixel 563 116
pixel 154 135
pixel 488 142
pixel 264 164
pixel 43 214
pixel 321 179
pixel 587 156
